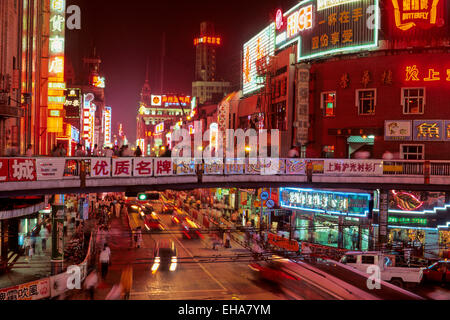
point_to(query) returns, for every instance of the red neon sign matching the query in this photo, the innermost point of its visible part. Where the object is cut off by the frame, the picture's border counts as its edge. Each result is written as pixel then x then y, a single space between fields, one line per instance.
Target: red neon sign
pixel 421 13
pixel 207 40
pixel 414 73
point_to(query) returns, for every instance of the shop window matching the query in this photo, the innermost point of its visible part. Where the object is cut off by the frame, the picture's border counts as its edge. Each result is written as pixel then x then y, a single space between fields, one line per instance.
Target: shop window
pixel 367 259
pixel 412 151
pixel 413 100
pixel 366 101
pixel 328 103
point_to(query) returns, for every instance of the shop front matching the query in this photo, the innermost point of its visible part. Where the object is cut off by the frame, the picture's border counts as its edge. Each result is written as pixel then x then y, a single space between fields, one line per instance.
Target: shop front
pixel 418 220
pixel 336 219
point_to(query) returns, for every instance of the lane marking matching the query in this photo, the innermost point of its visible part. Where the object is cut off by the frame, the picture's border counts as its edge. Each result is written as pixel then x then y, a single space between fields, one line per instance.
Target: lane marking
pixel 179 291
pixel 192 256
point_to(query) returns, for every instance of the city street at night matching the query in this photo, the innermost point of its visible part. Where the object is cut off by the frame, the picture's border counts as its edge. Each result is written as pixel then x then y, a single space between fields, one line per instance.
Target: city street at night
pixel 225 159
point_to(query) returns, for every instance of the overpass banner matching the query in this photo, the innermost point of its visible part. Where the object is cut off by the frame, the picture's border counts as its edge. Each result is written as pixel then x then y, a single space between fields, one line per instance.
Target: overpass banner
pixel 50 168
pixel 213 166
pixel 295 166
pixel 163 167
pixel 100 167
pixel 22 170
pixel 185 167
pixel 122 167
pixel 353 167
pixel 3 169
pixel 143 167
pixel 234 166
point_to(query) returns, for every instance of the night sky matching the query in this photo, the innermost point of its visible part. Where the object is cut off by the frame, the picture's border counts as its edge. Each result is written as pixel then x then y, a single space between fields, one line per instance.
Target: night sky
pixel 126 33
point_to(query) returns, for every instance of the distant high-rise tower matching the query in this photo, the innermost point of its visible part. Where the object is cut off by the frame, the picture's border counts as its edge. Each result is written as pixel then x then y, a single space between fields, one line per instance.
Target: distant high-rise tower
pixel 205 61
pixel 206 87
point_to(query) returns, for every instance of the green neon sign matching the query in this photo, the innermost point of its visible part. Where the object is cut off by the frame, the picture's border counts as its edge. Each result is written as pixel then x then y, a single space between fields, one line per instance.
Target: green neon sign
pixel 406 220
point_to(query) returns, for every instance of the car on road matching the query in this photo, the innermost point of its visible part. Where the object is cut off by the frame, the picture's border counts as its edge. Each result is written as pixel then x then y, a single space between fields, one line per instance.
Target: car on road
pixel 178 217
pixel 273 270
pixel 164 256
pixel 399 276
pixel 190 229
pixel 436 272
pixel 153 223
pixel 133 207
pixel 168 208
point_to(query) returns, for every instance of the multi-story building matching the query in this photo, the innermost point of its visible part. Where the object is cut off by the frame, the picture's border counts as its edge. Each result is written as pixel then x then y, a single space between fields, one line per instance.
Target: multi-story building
pixel 10 93
pixel 370 80
pixel 206 85
pixel 156 114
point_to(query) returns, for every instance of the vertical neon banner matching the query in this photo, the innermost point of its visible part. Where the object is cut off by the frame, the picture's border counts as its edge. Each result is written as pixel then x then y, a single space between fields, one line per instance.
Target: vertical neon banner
pixel 56 84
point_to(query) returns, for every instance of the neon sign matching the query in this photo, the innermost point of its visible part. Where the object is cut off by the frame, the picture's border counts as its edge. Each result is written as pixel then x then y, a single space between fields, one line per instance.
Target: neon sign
pixel 159 128
pixel 107 126
pixel 422 13
pixel 98 82
pixel 56 85
pixel 325 4
pixel 413 73
pixel 328 202
pixel 208 40
pixel 298 21
pixel 327 27
pixel 257 50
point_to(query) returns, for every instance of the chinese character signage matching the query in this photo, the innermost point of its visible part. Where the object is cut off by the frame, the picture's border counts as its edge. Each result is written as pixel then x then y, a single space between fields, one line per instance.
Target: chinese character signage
pixel 428 130
pixel 424 14
pixel 327 27
pixel 22 170
pixel 3 170
pixel 35 290
pixel 142 167
pixel 56 98
pixel 256 57
pixel 72 104
pixel 100 167
pixel 122 167
pixel 171 100
pixel 416 73
pixel 341 203
pixel 353 167
pixel 208 40
pixel 163 167
pixel 107 114
pixel 397 130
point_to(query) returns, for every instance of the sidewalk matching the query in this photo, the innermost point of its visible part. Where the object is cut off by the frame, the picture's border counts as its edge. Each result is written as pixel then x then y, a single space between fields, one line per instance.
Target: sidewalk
pixel 39 267
pixel 122 252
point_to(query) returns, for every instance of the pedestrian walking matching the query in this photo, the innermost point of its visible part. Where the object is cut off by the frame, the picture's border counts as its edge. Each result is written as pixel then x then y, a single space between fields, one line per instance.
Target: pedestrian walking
pixel 105 258
pixel 126 281
pixel 27 246
pixel 228 239
pixel 44 235
pixel 91 283
pixel 117 206
pixel 138 238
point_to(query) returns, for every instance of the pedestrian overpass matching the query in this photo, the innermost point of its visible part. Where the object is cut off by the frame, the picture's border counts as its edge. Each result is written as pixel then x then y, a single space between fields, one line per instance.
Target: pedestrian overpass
pixel 45 175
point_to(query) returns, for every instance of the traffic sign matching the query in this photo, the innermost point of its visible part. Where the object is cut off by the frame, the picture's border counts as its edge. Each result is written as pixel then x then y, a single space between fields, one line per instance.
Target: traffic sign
pixel 264 195
pixel 270 203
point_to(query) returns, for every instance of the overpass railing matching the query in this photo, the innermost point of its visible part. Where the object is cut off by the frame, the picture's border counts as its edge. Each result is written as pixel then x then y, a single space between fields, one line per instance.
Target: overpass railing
pixel 46 168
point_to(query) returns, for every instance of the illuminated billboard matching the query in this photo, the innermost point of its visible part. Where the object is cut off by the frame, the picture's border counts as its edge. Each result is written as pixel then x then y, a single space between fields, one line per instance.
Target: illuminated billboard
pixel 159 128
pixel 56 84
pixel 170 100
pixel 98 81
pixel 326 27
pixel 328 202
pixel 256 54
pixel 107 115
pixel 208 40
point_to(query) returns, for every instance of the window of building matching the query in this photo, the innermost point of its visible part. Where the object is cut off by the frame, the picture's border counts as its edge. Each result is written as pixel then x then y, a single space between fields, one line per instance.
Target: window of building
pixel 366 101
pixel 413 100
pixel 412 151
pixel 328 151
pixel 328 103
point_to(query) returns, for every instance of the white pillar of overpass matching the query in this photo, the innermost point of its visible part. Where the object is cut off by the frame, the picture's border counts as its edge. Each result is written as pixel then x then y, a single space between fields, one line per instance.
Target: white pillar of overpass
pixel 57 260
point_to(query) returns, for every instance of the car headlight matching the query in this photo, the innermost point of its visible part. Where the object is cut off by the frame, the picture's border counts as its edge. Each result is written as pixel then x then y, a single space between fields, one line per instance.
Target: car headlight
pixel 157 260
pixel 174 260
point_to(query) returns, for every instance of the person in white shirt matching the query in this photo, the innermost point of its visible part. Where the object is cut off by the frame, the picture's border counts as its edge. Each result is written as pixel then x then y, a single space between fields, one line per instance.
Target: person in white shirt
pixel 105 257
pixel 44 235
